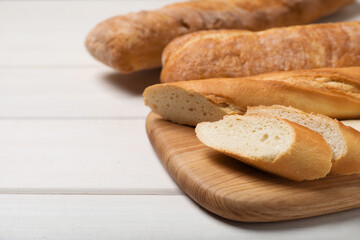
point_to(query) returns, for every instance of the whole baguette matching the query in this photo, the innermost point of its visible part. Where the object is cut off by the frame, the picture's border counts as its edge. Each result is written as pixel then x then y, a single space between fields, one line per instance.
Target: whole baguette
pixel 334 92
pixel 307 156
pixel 343 140
pixel 135 41
pixel 234 53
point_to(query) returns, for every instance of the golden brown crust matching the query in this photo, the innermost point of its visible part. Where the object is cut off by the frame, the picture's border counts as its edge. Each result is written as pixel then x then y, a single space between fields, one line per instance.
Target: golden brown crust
pixel 308 158
pixel 350 162
pixel 355 124
pixel 135 41
pixel 293 89
pixel 234 53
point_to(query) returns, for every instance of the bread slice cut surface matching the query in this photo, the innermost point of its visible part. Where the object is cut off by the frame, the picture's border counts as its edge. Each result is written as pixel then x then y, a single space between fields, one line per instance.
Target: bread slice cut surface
pixel 269 143
pixel 263 138
pixel 185 107
pixel 343 140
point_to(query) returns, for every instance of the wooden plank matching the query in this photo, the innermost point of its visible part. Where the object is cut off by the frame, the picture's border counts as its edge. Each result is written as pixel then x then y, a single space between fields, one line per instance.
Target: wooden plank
pixel 149 217
pixel 34 40
pixel 80 157
pixel 46 49
pixel 66 16
pixel 73 92
pixel 236 191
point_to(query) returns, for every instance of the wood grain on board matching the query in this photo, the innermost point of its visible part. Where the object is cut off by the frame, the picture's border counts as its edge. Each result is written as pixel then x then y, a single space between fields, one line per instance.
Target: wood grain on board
pixel 233 190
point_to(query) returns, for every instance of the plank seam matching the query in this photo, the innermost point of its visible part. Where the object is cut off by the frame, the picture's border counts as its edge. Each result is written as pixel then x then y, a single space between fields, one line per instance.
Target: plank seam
pixel 73 118
pixel 54 191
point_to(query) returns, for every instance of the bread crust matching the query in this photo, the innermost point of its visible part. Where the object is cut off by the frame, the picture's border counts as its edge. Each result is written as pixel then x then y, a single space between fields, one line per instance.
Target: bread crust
pixel 135 41
pixel 308 158
pixel 336 94
pixel 355 124
pixel 234 53
pixel 349 162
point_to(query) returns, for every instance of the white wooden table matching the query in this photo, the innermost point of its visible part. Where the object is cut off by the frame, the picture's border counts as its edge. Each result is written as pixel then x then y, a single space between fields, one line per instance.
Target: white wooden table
pixel 75 161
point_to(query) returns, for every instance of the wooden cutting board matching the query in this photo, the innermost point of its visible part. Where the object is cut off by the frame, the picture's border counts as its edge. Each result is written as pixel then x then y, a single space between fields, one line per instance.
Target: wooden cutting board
pixel 235 191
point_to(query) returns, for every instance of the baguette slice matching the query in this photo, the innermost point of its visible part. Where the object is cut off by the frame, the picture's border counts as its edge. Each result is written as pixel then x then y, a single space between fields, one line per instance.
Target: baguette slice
pixel 271 144
pixel 334 92
pixel 235 53
pixel 135 41
pixel 344 141
pixel 355 124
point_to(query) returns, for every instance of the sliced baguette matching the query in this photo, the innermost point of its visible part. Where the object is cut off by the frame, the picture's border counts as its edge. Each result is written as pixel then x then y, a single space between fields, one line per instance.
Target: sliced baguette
pixel 334 92
pixel 275 145
pixel 355 124
pixel 344 141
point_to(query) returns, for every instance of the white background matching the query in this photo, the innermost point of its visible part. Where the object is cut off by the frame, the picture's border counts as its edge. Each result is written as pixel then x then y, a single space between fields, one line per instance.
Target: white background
pixel 75 161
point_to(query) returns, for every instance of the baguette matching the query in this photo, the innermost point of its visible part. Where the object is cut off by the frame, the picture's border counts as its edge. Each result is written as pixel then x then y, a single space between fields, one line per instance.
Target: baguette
pixel 344 141
pixel 355 124
pixel 272 144
pixel 234 53
pixel 135 41
pixel 334 92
